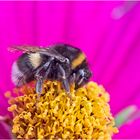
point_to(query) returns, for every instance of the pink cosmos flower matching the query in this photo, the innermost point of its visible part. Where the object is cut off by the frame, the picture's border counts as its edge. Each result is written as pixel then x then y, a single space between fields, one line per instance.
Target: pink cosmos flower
pixel 108 33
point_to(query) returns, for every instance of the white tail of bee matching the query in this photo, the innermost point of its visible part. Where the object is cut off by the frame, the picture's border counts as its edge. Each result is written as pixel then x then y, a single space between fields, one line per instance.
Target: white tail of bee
pixel 16 75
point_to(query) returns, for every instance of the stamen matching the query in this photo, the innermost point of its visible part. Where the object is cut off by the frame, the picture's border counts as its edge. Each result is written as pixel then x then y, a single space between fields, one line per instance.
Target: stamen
pixel 85 116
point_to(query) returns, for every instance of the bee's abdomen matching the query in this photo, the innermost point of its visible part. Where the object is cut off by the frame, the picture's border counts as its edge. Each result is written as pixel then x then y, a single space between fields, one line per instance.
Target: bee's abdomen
pixel 35 59
pixel 24 63
pixel 23 68
pixel 29 62
pixel 16 74
pixel 20 76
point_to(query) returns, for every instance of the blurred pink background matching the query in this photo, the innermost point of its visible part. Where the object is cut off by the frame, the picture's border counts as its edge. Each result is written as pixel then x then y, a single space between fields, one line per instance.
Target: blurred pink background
pixel 108 32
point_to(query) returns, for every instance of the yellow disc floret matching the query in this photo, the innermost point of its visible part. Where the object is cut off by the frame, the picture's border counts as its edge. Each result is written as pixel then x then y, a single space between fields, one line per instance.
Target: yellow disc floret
pixel 54 115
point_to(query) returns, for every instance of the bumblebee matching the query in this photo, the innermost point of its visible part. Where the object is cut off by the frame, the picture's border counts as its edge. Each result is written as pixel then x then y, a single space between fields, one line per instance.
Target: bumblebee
pixel 61 62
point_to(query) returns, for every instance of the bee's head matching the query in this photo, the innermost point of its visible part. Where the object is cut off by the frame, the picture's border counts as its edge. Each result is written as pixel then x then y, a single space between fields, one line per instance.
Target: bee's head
pixel 84 77
pixel 87 74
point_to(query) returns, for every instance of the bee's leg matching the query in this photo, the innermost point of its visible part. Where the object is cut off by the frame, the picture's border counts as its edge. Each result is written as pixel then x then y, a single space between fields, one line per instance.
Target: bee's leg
pixel 48 71
pixel 64 79
pixel 42 73
pixel 65 84
pixel 80 73
pixel 80 81
pixel 72 78
pixel 39 83
pixel 80 76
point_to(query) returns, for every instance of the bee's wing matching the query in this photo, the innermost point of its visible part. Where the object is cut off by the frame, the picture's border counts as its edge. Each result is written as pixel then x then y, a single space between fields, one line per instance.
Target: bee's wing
pixel 26 49
pixel 49 51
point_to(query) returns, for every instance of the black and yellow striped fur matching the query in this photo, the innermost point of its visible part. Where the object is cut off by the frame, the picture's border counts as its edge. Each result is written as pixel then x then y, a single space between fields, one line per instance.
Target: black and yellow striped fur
pixel 61 62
